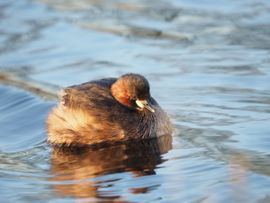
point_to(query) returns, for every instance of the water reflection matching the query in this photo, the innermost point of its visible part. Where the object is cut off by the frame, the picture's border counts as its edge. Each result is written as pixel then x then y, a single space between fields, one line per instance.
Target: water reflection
pixel 74 169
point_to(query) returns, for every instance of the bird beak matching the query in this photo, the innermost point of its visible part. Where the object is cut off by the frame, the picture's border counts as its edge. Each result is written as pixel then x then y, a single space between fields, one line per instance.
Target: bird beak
pixel 143 104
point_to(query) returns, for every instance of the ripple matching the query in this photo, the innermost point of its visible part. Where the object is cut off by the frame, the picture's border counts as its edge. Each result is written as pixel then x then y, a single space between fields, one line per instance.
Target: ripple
pixel 16 109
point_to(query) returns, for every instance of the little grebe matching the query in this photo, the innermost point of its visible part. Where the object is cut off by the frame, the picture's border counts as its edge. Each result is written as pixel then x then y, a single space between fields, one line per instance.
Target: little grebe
pixel 107 110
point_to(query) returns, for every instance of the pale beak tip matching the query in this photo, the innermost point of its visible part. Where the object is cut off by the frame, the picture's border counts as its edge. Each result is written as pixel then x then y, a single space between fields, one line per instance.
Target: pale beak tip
pixel 151 109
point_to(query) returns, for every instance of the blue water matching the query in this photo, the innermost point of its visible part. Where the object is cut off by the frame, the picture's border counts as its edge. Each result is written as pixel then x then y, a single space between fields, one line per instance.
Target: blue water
pixel 208 63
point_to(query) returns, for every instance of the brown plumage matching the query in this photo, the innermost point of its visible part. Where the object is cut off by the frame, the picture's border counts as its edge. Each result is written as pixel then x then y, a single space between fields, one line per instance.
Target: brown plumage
pixel 107 110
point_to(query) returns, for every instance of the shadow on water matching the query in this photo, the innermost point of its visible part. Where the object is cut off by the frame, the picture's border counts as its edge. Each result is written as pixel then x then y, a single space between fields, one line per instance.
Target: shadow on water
pixel 74 169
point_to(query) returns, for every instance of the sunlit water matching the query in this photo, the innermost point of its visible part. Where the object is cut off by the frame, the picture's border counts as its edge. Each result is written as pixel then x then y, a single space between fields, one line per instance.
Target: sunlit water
pixel 208 64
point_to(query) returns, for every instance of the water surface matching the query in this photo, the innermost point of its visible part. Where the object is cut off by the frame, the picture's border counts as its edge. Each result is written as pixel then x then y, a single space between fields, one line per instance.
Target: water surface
pixel 208 65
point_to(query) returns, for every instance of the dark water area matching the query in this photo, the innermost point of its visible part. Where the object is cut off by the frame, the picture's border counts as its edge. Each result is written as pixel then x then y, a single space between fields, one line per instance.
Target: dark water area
pixel 208 63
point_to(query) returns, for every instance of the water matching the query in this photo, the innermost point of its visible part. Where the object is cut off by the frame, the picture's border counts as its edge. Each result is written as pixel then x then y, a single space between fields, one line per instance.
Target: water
pixel 208 65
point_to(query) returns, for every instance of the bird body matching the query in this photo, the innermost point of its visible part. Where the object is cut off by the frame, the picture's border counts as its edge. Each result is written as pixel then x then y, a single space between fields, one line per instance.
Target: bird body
pixel 107 110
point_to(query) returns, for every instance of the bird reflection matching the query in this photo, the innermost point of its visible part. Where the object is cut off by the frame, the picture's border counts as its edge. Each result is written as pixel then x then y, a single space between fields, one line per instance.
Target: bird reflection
pixel 73 169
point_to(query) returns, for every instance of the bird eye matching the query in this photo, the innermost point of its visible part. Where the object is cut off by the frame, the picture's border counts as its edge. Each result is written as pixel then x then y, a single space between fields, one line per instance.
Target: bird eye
pixel 132 98
pixel 133 101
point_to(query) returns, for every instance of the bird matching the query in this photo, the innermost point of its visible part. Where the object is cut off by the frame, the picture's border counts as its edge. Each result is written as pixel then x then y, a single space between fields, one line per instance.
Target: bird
pixel 107 110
